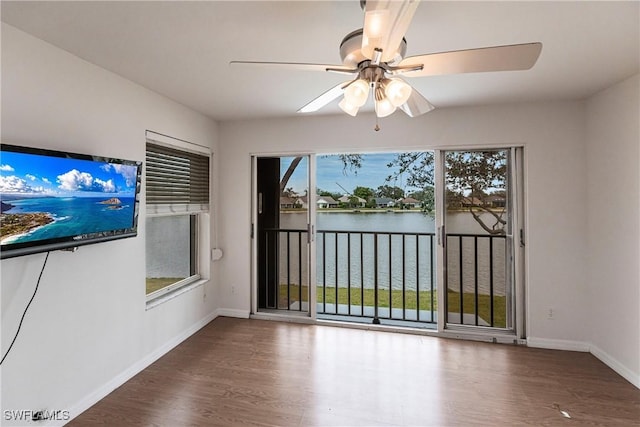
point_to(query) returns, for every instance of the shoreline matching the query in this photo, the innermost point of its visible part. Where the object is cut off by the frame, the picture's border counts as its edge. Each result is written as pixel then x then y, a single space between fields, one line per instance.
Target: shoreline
pixel 362 210
pixel 25 224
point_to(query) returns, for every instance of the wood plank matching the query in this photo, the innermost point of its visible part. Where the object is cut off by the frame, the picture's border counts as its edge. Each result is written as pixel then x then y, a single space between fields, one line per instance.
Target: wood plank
pixel 261 373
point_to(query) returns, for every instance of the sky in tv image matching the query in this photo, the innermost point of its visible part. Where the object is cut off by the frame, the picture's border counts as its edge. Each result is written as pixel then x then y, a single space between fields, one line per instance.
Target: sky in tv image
pixel 30 174
pixel 53 197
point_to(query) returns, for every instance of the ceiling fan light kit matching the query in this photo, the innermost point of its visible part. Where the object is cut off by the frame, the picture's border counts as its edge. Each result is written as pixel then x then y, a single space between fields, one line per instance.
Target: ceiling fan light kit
pixel 396 90
pixel 357 93
pixel 348 108
pixel 383 106
pixel 375 54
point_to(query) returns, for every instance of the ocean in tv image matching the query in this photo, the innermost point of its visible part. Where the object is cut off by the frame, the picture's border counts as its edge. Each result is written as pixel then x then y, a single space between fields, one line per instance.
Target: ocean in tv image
pixel 44 197
pixel 62 217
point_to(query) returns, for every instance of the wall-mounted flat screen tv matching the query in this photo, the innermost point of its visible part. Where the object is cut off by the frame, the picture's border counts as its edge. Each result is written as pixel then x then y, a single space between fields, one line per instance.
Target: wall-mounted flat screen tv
pixel 52 200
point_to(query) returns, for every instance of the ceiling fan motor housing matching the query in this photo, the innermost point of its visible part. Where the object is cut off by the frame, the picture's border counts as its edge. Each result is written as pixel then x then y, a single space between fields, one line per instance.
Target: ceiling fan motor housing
pixel 351 50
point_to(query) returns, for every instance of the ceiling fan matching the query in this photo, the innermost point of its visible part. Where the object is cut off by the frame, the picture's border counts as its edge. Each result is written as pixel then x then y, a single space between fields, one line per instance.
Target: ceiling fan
pixel 375 58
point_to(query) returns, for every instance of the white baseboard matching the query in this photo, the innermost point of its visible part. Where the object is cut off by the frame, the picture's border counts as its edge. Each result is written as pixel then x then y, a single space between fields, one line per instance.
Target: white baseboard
pixel 626 373
pixel 126 375
pixel 136 368
pixel 554 344
pixel 232 312
pixel 603 356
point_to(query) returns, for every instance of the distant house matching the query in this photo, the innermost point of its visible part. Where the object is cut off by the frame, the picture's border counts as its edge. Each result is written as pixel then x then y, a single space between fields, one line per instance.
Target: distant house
pixel 346 199
pixel 384 202
pixel 290 202
pixel 410 202
pixel 467 202
pixel 322 202
pixel 495 201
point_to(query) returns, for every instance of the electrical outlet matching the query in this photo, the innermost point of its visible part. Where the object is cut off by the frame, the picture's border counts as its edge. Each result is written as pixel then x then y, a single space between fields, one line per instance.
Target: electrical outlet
pixel 550 314
pixel 233 289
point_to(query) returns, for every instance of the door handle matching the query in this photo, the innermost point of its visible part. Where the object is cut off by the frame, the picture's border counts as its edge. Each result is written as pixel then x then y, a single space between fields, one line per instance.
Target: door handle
pixel 441 236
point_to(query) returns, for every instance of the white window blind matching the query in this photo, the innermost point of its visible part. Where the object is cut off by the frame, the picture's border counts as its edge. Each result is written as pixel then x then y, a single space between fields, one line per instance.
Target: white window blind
pixel 176 180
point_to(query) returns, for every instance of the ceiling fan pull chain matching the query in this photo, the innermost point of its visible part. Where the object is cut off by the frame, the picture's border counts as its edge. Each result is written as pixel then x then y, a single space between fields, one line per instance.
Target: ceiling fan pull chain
pixel 377 128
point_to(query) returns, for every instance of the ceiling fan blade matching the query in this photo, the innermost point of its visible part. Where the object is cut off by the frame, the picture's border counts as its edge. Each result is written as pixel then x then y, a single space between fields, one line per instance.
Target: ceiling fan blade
pixel 496 58
pixel 324 99
pixel 300 66
pixel 385 24
pixel 416 104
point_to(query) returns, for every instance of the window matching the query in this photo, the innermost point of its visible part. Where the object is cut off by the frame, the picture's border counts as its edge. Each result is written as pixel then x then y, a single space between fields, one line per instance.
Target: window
pixel 177 193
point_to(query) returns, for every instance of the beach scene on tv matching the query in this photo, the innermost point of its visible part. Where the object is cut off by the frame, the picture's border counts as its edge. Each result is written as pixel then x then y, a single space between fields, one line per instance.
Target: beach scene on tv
pixel 44 197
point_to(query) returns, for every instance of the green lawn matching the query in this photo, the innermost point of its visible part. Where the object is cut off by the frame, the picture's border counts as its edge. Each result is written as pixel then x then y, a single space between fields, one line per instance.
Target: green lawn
pixel 153 284
pixel 410 297
pixel 484 310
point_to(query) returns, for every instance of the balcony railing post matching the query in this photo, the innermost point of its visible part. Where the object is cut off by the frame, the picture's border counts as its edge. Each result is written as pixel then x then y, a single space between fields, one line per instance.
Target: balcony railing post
pixel 390 280
pixel 475 276
pixel 404 279
pixel 460 261
pixel 349 273
pixel 417 278
pixel 288 270
pixel 376 320
pixel 324 272
pixel 432 276
pixel 491 280
pixel 335 264
pixel 300 271
pixel 361 274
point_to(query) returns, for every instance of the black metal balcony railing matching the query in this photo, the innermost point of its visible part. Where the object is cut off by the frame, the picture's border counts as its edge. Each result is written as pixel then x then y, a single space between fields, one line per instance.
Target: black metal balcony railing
pixel 476 278
pixel 379 275
pixel 391 275
pixel 291 289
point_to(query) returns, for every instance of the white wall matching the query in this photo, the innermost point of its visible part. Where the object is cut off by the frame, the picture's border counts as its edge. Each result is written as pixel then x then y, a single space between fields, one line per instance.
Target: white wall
pixel 87 329
pixel 613 160
pixel 553 134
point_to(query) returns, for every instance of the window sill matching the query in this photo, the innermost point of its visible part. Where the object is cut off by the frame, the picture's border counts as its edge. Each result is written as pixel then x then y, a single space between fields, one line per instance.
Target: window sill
pixel 161 299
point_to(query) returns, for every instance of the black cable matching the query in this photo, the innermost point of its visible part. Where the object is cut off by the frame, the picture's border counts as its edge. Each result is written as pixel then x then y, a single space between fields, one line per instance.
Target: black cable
pixel 26 308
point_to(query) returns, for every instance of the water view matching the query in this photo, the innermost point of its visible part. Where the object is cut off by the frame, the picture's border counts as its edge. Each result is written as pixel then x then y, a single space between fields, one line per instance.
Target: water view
pixel 386 221
pixel 346 248
pixel 375 251
pixel 62 217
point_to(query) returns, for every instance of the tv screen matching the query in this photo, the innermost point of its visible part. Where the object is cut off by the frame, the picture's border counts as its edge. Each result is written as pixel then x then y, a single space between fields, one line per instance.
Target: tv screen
pixel 53 200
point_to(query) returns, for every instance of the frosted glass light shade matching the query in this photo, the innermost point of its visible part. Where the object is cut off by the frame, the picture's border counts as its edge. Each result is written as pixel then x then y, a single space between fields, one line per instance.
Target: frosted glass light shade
pixel 375 31
pixel 384 107
pixel 376 23
pixel 357 93
pixel 397 91
pixel 348 108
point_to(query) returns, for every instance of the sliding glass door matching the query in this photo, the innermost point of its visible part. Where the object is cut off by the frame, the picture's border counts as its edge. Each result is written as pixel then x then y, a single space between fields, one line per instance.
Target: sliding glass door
pixel 281 233
pixel 461 270
pixel 481 237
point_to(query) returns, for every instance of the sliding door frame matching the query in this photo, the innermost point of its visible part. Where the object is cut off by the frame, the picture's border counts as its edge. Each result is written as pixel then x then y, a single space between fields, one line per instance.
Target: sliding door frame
pixel 516 188
pixel 311 227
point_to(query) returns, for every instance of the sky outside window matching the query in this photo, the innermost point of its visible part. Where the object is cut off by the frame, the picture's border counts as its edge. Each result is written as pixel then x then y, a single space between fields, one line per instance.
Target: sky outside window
pixel 331 172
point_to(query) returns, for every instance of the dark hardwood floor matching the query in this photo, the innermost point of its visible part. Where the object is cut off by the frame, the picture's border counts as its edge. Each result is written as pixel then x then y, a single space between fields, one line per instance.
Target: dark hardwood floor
pixel 237 372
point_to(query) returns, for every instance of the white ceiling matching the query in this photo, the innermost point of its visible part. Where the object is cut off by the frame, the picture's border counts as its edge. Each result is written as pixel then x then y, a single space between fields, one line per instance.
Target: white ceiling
pixel 182 49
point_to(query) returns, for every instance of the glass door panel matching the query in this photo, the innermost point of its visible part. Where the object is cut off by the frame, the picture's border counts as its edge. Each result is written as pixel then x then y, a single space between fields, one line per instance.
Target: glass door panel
pixel 478 254
pixel 282 234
